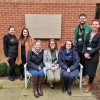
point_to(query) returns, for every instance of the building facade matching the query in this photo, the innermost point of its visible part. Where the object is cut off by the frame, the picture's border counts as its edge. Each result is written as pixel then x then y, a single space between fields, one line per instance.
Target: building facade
pixel 12 12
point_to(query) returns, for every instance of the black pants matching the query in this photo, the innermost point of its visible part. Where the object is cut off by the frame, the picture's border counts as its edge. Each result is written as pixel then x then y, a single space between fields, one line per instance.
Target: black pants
pixel 91 80
pixel 12 67
pixel 82 61
pixel 22 65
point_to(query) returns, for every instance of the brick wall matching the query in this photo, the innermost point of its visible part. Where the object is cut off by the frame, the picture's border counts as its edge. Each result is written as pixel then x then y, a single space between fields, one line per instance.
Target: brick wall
pixel 12 12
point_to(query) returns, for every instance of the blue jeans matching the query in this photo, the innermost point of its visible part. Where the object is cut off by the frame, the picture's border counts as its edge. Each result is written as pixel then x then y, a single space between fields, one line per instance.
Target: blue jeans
pixel 37 73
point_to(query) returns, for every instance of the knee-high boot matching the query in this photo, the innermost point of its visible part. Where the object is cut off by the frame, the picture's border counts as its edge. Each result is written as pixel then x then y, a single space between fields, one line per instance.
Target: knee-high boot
pixel 65 86
pixel 71 80
pixel 39 85
pixel 35 83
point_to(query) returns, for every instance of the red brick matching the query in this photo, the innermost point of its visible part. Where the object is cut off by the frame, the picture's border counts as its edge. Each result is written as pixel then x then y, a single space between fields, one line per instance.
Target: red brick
pixel 12 13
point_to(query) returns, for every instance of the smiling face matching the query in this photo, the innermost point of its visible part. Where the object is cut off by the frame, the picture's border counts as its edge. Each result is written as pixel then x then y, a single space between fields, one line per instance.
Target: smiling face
pixel 68 45
pixel 38 45
pixel 95 26
pixel 25 33
pixel 12 31
pixel 52 45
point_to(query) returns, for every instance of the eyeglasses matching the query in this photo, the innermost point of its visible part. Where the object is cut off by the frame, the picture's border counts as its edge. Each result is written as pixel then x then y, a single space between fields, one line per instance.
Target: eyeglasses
pixel 68 44
pixel 52 43
pixel 82 18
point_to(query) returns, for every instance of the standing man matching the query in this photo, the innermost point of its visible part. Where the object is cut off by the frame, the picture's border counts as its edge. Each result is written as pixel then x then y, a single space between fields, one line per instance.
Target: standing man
pixel 79 37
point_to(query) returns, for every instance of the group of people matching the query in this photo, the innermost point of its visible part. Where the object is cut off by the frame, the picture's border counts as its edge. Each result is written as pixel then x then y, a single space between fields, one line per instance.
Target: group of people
pixel 54 63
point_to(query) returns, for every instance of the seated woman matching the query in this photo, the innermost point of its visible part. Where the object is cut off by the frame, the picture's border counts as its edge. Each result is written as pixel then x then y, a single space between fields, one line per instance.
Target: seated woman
pixel 50 62
pixel 35 67
pixel 68 60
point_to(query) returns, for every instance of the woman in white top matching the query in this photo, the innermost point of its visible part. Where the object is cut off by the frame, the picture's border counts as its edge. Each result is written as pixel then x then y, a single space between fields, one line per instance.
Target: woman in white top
pixel 51 63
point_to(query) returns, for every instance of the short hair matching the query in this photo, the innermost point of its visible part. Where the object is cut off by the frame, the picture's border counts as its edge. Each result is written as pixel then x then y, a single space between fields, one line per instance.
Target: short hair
pixel 54 42
pixel 10 27
pixel 37 41
pixel 82 14
pixel 71 43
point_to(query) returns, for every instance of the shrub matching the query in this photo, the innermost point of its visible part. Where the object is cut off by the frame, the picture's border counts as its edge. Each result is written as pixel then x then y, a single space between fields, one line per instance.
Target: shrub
pixel 17 70
pixel 3 69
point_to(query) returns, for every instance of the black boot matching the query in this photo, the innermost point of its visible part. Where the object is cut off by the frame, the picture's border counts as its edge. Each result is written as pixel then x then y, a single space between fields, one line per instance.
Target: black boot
pixel 65 85
pixel 39 85
pixel 71 80
pixel 21 67
pixel 35 81
pixel 21 77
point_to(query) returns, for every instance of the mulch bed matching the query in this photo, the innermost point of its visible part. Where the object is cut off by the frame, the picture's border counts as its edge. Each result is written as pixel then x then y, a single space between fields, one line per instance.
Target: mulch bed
pixel 96 87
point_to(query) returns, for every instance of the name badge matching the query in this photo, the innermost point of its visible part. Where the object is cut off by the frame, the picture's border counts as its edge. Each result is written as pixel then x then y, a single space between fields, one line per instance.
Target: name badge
pixel 80 39
pixel 89 48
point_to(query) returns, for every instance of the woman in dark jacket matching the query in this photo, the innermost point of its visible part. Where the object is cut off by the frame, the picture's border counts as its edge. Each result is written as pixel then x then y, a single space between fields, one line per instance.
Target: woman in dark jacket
pixel 35 67
pixel 91 48
pixel 10 44
pixel 68 60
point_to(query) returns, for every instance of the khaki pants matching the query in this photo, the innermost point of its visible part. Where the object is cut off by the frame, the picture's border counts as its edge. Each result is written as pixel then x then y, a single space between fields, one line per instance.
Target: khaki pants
pixel 53 76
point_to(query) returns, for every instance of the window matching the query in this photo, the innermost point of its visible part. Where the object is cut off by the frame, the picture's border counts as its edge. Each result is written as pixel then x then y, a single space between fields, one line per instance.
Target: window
pixel 97 11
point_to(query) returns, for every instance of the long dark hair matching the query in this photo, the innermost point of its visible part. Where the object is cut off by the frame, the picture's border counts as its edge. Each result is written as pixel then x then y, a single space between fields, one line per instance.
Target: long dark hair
pixel 22 36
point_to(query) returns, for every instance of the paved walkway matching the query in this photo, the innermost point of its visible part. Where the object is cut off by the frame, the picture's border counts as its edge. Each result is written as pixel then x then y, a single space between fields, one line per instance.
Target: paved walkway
pixel 16 91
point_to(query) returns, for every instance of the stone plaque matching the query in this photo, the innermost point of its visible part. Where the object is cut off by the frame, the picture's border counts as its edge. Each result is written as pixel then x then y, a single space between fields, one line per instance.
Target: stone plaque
pixel 44 25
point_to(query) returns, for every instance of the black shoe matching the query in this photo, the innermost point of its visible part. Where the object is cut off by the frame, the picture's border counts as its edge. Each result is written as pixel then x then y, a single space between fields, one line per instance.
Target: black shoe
pixel 11 78
pixel 64 89
pixel 51 86
pixel 69 92
pixel 21 77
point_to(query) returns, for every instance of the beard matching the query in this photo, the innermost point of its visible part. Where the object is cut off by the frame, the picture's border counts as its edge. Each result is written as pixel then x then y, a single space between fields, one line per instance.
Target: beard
pixel 82 23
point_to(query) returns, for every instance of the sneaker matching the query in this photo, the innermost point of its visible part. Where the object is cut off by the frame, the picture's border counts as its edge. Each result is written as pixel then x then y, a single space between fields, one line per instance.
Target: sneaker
pixel 11 78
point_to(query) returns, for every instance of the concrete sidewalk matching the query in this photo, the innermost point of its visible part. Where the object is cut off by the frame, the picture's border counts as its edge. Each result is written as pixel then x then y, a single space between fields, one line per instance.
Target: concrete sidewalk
pixel 16 91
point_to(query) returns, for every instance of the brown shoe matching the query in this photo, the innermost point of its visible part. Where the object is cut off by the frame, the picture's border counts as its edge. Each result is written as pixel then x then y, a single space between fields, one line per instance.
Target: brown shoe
pixel 40 91
pixel 39 86
pixel 87 89
pixel 36 93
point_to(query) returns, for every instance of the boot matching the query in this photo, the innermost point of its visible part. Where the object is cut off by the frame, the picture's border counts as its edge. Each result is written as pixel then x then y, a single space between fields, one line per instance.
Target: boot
pixel 71 80
pixel 65 87
pixel 39 85
pixel 35 81
pixel 88 88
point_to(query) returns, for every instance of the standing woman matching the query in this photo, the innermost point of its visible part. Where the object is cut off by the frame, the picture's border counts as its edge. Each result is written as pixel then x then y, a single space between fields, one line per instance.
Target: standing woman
pixel 92 47
pixel 68 61
pixel 35 67
pixel 25 44
pixel 10 44
pixel 51 63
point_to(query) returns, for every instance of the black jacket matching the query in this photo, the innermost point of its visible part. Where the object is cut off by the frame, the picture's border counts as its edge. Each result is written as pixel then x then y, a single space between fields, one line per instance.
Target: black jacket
pixel 10 44
pixel 92 63
pixel 34 60
pixel 95 44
